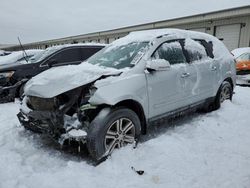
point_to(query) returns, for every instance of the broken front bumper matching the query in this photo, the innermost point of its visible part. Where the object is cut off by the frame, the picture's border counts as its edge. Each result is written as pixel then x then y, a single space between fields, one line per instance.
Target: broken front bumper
pixel 50 123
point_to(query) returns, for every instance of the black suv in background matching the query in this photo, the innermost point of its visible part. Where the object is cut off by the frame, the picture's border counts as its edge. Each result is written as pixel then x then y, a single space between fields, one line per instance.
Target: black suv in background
pixel 13 77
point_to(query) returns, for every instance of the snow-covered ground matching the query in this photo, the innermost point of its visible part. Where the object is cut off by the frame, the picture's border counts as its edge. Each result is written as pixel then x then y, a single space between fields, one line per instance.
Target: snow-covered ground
pixel 200 150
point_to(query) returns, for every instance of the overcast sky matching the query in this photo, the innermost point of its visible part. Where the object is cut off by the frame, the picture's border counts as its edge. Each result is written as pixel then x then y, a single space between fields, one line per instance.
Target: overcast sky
pixel 36 20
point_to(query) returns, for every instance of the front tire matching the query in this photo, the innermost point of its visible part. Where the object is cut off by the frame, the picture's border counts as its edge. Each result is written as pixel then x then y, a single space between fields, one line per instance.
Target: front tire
pixel 112 129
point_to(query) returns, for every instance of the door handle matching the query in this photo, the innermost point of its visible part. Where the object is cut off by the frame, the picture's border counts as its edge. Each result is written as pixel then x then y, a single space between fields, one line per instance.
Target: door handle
pixel 185 74
pixel 214 68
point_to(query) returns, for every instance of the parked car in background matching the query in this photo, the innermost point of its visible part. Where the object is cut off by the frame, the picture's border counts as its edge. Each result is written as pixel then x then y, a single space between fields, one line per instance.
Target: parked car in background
pixel 13 76
pixel 136 81
pixel 239 51
pixel 4 53
pixel 18 57
pixel 242 57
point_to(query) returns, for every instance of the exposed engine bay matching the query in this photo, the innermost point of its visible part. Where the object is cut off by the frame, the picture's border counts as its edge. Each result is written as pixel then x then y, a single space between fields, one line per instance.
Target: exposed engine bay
pixel 64 117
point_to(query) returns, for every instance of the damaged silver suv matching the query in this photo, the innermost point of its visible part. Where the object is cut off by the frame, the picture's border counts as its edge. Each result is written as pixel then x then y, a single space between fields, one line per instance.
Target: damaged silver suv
pixel 141 79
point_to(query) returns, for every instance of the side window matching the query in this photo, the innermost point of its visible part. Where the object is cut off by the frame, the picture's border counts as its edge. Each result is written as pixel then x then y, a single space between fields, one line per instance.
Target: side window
pixel 67 55
pixel 208 47
pixel 170 51
pixel 88 52
pixel 196 51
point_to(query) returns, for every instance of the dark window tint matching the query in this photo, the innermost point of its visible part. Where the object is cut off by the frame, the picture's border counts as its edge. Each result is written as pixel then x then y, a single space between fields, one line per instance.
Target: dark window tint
pixel 67 55
pixel 171 52
pixel 196 51
pixel 208 47
pixel 88 52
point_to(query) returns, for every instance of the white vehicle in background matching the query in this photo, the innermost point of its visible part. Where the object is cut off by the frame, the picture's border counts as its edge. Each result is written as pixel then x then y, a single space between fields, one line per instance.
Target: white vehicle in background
pixel 4 53
pixel 136 81
pixel 19 57
pixel 242 57
pixel 239 51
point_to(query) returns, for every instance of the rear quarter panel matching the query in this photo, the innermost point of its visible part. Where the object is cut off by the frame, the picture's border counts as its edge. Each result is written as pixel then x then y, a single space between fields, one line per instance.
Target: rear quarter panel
pixel 227 69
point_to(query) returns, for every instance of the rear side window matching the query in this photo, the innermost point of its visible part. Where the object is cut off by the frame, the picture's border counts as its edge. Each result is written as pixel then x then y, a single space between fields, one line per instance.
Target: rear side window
pixel 88 52
pixel 170 51
pixel 195 50
pixel 68 55
pixel 208 47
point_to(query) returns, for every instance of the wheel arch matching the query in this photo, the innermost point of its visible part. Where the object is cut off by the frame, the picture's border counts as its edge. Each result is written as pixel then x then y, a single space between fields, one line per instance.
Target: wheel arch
pixel 230 80
pixel 138 109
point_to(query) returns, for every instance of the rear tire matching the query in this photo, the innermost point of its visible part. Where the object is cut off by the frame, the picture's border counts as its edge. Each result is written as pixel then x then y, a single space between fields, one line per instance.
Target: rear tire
pixel 225 92
pixel 111 129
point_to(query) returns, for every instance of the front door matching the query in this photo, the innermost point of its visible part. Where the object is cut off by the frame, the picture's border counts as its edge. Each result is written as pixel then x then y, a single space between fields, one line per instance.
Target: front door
pixel 165 88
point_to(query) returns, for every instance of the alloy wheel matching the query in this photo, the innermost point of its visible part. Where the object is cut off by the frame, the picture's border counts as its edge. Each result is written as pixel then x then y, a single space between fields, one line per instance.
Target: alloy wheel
pixel 225 94
pixel 119 133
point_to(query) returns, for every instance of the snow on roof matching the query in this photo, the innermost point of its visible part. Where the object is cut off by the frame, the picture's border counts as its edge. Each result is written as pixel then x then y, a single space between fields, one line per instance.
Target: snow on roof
pixel 51 49
pixel 78 44
pixel 219 49
pixel 239 51
pixel 149 35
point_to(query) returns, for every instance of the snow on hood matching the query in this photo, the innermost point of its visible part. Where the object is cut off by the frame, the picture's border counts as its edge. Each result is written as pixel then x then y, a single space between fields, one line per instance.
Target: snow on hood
pixel 15 56
pixel 58 80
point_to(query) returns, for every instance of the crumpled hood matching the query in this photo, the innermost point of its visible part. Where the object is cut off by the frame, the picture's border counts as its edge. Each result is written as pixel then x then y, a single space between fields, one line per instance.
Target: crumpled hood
pixel 58 80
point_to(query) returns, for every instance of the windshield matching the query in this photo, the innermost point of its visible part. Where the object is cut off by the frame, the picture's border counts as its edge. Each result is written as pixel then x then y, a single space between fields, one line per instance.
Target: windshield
pixel 119 56
pixel 24 58
pixel 35 57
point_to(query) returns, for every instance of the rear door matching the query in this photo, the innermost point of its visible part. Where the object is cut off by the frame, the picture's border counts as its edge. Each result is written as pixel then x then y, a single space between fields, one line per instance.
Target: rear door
pixel 165 88
pixel 205 69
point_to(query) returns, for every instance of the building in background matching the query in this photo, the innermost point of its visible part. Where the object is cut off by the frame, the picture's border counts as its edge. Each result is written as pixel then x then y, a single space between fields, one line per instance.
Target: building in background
pixel 231 26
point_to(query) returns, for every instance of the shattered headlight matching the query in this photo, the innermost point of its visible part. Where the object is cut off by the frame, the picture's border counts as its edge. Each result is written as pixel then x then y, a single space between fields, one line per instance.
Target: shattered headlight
pixel 6 74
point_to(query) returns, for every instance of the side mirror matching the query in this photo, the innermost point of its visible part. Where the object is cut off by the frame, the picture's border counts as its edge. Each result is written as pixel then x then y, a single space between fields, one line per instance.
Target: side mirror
pixel 52 62
pixel 158 65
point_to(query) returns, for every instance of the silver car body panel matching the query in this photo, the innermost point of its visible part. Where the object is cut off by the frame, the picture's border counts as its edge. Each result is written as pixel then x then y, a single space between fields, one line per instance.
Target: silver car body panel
pixel 157 92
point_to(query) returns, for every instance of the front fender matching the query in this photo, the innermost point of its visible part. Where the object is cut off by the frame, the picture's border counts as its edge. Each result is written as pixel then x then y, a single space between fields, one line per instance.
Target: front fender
pixel 133 87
